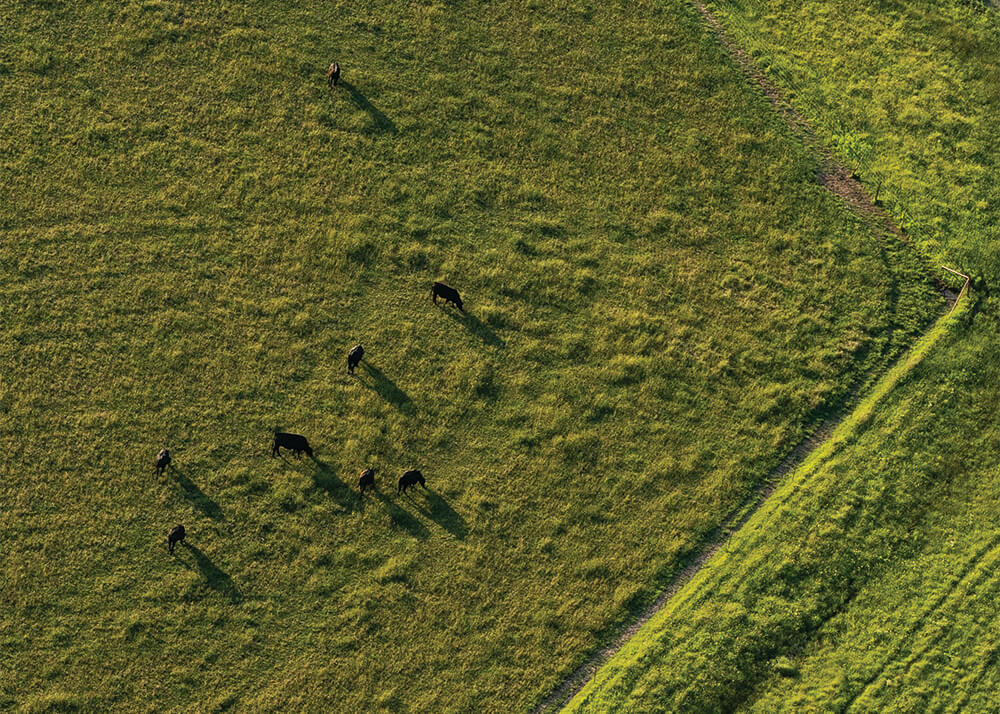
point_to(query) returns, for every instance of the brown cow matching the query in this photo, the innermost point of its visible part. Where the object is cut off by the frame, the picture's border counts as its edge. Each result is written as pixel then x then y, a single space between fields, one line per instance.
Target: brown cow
pixel 410 478
pixel 447 292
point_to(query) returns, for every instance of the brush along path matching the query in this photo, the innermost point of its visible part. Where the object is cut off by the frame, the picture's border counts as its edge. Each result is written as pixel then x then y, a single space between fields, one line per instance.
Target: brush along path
pixel 836 178
pixel 854 411
pixel 826 440
pixel 715 540
pixel 749 547
pixel 832 174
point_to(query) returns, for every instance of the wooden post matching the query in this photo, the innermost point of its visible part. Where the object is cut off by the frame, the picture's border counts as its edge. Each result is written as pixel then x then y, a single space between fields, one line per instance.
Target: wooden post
pixel 964 289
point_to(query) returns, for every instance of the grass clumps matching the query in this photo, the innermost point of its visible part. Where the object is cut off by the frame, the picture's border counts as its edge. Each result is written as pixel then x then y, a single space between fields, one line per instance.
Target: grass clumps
pixel 196 231
pixel 867 582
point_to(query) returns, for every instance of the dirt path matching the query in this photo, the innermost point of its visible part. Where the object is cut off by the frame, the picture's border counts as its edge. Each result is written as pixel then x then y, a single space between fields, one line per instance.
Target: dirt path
pixel 715 540
pixel 832 174
pixel 839 181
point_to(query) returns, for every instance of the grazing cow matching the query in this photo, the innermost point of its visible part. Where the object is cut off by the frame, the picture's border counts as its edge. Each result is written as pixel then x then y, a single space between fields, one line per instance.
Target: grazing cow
pixel 333 75
pixel 175 535
pixel 294 442
pixel 366 481
pixel 162 461
pixel 354 358
pixel 449 294
pixel 410 478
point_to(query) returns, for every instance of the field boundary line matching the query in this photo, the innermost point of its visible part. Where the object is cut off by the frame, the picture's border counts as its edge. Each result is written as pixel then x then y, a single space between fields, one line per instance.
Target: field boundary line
pixel 835 177
pixel 832 175
pixel 827 438
pixel 965 286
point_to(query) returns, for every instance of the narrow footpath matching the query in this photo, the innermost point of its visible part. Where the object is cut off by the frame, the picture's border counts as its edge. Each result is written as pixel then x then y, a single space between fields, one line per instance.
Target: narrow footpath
pixel 836 178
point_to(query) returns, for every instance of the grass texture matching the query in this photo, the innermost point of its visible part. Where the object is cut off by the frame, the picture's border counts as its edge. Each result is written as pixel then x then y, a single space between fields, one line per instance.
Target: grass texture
pixel 868 583
pixel 660 301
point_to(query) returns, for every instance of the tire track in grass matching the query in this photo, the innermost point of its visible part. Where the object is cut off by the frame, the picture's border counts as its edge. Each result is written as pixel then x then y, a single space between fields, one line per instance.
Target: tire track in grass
pixel 835 177
pixel 969 685
pixel 964 639
pixel 971 576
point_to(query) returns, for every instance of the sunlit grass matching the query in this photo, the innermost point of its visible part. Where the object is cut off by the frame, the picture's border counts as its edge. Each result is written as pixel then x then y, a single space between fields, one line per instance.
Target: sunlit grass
pixel 868 582
pixel 660 300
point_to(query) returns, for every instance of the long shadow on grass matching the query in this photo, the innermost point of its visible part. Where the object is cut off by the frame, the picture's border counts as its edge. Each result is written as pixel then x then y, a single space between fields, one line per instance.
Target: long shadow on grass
pixel 403 518
pixel 386 388
pixel 324 477
pixel 194 494
pixel 216 578
pixel 477 327
pixel 379 120
pixel 445 516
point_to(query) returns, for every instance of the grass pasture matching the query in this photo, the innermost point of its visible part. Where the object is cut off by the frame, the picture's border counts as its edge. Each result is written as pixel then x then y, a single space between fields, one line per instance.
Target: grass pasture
pixel 660 300
pixel 868 583
pixel 917 83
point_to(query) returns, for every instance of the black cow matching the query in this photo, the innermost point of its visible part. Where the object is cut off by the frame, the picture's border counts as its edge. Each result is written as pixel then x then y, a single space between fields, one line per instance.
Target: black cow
pixel 450 295
pixel 175 535
pixel 333 75
pixel 410 478
pixel 162 461
pixel 354 358
pixel 366 481
pixel 294 442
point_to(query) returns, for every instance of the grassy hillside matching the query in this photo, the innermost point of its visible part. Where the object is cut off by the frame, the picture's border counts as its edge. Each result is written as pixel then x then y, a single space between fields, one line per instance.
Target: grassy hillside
pixel 867 585
pixel 660 300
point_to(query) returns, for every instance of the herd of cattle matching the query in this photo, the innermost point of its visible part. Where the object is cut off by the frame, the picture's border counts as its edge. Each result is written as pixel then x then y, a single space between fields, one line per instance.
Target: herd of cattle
pixel 298 444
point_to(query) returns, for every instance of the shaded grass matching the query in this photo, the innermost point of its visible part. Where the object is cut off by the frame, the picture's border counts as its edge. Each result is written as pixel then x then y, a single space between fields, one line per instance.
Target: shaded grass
pixel 477 327
pixel 196 495
pixel 214 577
pixel 380 121
pixel 385 388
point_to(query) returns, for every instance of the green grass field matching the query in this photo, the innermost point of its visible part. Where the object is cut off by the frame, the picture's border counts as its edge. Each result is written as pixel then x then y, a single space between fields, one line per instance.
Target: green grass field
pixel 918 83
pixel 660 301
pixel 868 582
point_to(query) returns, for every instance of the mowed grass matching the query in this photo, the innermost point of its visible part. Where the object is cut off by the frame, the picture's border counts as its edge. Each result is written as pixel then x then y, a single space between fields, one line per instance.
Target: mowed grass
pixel 869 583
pixel 659 298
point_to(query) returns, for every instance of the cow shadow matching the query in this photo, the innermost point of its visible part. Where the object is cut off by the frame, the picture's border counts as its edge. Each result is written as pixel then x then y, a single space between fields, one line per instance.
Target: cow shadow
pixel 196 496
pixel 439 511
pixel 380 122
pixel 387 389
pixel 403 518
pixel 325 479
pixel 215 577
pixel 477 327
